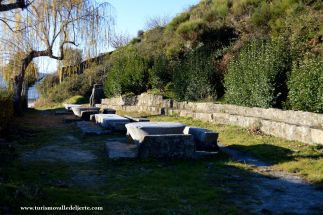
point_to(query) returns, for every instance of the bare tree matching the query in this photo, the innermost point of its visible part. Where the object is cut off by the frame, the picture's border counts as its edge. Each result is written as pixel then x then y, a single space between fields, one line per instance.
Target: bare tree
pixel 51 25
pixel 119 40
pixel 155 22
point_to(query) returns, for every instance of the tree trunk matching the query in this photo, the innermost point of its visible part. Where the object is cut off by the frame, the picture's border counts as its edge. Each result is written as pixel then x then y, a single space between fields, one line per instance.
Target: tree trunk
pixel 18 85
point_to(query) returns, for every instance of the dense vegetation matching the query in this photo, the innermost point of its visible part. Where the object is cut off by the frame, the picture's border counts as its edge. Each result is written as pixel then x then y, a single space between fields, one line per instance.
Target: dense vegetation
pixel 246 52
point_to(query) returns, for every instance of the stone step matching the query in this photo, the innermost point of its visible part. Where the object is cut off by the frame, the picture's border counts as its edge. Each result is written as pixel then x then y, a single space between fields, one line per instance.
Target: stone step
pixel 90 128
pixel 119 148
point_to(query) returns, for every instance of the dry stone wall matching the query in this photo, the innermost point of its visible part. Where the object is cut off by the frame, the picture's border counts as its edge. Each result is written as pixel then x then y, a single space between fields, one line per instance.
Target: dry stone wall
pixel 292 125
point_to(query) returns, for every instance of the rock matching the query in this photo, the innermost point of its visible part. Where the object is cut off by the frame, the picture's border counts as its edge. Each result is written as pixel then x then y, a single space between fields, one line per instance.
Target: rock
pixel 205 140
pixel 97 95
pixel 139 130
pixel 112 121
pixel 120 149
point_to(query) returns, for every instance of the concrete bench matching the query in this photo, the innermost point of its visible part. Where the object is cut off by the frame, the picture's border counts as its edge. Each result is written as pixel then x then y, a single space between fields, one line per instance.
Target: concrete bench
pixel 205 140
pixel 70 106
pixel 136 119
pixel 139 130
pixel 112 121
pixel 78 110
pixel 167 146
pixel 85 115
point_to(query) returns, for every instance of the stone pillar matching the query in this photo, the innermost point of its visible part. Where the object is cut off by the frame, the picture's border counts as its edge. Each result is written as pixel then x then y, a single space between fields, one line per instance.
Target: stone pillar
pixel 97 94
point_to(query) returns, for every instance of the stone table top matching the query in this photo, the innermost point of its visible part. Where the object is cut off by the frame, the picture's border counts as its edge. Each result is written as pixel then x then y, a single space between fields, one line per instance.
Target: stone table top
pixel 139 130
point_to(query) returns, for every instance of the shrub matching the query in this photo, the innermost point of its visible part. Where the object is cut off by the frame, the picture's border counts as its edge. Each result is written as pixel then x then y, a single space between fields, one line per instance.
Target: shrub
pixel 220 7
pixel 192 77
pixel 192 30
pixel 257 77
pixel 6 109
pixel 161 73
pixel 129 73
pixel 183 17
pixel 74 85
pixel 306 85
pixel 47 84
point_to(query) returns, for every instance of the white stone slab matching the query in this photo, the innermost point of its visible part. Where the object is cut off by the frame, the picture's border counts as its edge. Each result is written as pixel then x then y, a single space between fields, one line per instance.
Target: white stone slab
pixel 112 121
pixel 70 106
pixel 78 110
pixel 139 130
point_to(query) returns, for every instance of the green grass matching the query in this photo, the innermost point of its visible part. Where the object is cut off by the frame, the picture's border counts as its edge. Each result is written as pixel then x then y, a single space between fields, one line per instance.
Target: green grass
pixel 292 156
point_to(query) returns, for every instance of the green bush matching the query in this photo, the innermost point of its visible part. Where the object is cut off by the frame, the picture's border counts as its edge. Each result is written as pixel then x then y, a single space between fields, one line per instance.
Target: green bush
pixel 193 29
pixel 257 77
pixel 161 73
pixel 6 109
pixel 183 17
pixel 306 85
pixel 129 73
pixel 192 77
pixel 74 85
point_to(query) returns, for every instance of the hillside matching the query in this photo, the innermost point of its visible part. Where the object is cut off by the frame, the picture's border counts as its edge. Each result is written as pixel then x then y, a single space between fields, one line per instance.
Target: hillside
pixel 247 52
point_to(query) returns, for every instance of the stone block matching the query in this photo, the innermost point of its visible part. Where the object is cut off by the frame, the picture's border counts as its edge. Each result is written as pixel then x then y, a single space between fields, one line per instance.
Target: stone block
pixel 108 111
pixel 70 106
pixel 139 130
pixel 77 110
pixel 112 121
pixel 317 136
pixel 171 146
pixel 205 140
pixel 136 119
pixel 85 115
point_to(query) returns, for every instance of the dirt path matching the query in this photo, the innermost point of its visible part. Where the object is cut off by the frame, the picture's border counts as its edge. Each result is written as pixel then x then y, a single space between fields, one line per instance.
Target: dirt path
pixel 274 192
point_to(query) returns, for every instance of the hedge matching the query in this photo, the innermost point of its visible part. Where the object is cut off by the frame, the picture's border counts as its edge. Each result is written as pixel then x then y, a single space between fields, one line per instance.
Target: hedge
pixel 257 77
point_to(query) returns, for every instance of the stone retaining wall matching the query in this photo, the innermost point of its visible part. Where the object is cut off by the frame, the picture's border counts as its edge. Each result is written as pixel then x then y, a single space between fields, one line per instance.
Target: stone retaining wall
pixel 292 125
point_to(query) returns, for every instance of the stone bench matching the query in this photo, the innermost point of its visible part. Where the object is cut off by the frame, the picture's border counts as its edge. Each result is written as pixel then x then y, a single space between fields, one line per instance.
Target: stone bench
pixel 85 115
pixel 78 110
pixel 136 119
pixel 139 130
pixel 70 106
pixel 205 140
pixel 112 121
pixel 167 146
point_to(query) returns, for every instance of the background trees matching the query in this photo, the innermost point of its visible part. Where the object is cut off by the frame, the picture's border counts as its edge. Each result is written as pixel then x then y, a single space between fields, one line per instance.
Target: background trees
pixel 49 27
